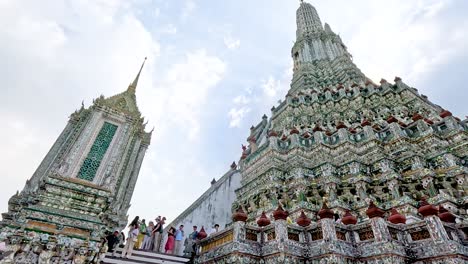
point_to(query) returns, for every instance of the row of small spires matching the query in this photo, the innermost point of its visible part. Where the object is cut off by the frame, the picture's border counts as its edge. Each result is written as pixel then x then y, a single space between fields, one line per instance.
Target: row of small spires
pixel 340 86
pixel 365 122
pixel 425 209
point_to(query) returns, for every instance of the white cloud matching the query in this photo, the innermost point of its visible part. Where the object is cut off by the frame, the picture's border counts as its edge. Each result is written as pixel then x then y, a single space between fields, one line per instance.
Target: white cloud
pixel 411 38
pixel 157 12
pixel 188 8
pixel 231 43
pixel 188 84
pixel 239 111
pixel 271 86
pixel 241 99
pixel 236 115
pixel 169 29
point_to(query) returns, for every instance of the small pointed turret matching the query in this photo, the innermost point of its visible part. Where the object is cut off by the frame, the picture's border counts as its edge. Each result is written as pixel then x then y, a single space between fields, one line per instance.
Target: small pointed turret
pixel 132 87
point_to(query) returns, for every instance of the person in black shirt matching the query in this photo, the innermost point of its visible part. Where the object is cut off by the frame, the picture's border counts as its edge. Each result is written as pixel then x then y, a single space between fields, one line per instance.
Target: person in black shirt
pixel 112 242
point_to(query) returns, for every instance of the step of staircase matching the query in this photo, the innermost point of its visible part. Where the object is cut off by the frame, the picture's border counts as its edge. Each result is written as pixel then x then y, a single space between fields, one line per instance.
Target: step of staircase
pixel 139 256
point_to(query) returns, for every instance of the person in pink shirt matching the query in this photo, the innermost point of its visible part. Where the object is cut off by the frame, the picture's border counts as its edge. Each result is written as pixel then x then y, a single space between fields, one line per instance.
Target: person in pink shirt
pixel 170 240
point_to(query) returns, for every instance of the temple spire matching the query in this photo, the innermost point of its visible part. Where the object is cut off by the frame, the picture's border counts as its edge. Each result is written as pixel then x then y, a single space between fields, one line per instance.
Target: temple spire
pixel 133 85
pixel 320 57
pixel 308 20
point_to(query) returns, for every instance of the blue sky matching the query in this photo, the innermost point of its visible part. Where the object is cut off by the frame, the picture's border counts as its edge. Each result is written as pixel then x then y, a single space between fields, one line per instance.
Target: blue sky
pixel 214 68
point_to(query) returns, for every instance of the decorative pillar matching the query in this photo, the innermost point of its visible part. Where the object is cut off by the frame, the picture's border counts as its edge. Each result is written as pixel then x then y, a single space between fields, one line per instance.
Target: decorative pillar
pixel 378 224
pixel 294 137
pixel 273 139
pixel 400 84
pixel 394 187
pixel 239 218
pixel 328 94
pixel 253 144
pixel 433 222
pixel 370 87
pixel 450 121
pixel 262 222
pixel 417 163
pixel 330 188
pixel 385 85
pixel 303 221
pixel 314 96
pixel 461 183
pixel 343 134
pixel 396 130
pixel 281 226
pixel 327 223
pixel 238 231
pixel 318 136
pixel 450 160
pixel 281 231
pixel 369 132
pixel 361 189
pixel 421 124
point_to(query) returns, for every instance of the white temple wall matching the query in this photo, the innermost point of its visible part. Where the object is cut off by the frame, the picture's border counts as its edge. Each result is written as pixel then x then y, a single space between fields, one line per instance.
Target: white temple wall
pixel 213 207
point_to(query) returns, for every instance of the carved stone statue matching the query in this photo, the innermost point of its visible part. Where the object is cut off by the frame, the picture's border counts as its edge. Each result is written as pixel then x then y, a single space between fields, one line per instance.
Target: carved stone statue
pixel 81 257
pixel 264 203
pixel 274 198
pixel 12 246
pixel 252 205
pixel 23 256
pixel 47 254
pixel 66 256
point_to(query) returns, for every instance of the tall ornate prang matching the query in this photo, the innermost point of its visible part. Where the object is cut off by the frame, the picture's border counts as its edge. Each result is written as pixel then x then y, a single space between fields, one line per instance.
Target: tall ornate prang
pixel 367 148
pixel 84 185
pixel 320 58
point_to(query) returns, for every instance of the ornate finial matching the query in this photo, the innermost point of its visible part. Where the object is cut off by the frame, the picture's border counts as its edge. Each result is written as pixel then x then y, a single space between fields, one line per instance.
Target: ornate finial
pixel 134 84
pixel 233 165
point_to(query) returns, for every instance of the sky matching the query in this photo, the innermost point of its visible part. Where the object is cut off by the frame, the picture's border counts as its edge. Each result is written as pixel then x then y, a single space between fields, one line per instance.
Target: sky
pixel 213 69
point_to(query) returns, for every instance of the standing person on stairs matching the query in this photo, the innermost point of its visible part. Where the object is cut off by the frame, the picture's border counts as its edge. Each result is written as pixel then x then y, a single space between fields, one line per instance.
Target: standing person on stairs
pixel 170 241
pixel 157 234
pixel 131 238
pixel 141 235
pixel 179 238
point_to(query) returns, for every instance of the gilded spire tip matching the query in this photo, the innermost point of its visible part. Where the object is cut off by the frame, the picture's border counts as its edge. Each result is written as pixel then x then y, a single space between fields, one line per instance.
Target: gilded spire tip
pixel 134 84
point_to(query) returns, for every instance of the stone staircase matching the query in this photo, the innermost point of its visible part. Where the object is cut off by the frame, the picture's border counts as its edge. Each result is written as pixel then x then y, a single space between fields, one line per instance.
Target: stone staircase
pixel 139 256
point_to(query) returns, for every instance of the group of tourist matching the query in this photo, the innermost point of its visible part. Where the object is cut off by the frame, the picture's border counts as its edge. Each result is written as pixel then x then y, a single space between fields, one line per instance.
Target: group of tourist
pixel 143 236
pixel 148 237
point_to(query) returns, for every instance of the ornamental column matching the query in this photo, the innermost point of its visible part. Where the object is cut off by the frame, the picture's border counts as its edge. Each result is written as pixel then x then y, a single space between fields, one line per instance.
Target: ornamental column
pixel 281 226
pixel 433 222
pixel 239 218
pixel 327 223
pixel 378 224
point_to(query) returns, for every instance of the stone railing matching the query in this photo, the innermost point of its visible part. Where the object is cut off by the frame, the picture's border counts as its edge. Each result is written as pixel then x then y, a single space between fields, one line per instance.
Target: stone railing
pixel 217 240
pixel 373 238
